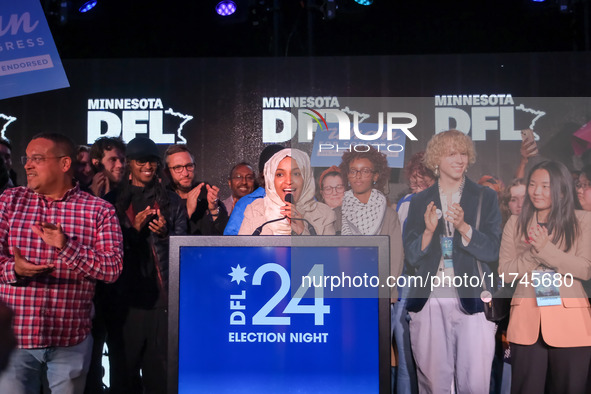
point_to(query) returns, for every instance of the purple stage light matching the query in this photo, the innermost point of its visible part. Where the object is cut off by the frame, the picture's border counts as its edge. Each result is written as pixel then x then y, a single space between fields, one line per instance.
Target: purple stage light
pixel 225 8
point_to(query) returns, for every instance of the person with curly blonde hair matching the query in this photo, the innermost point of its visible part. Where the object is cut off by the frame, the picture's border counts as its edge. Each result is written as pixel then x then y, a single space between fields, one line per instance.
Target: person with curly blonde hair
pixel 452 341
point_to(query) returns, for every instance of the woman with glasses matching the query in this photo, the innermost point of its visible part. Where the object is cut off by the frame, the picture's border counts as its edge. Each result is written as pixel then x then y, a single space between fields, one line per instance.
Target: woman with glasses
pixel 546 251
pixel 365 209
pixel 332 187
pixel 452 341
pixel 583 188
pixel 289 207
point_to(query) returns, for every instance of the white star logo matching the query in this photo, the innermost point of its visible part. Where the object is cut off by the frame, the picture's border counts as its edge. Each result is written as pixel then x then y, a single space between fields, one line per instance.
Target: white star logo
pixel 238 274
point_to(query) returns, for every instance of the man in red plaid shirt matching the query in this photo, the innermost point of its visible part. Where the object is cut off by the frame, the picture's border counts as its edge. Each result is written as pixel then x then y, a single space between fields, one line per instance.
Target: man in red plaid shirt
pixel 56 242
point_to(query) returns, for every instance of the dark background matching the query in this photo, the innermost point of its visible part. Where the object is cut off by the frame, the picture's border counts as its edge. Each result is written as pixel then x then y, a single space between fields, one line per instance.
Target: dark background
pixel 219 70
pixel 181 28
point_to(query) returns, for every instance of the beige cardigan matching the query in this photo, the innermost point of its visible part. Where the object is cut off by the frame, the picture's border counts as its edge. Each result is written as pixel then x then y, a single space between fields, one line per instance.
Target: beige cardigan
pixel 322 218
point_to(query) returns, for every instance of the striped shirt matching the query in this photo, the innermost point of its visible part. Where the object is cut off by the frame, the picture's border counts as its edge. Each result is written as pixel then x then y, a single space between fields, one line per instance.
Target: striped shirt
pixel 53 309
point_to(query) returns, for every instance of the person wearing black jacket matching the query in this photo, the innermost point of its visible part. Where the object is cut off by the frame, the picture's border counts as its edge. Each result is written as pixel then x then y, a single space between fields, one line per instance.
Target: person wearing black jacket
pixel 148 214
pixel 206 215
pixel 451 339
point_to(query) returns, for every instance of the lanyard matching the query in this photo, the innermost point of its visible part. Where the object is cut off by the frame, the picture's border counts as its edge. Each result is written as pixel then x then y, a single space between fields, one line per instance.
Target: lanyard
pixel 449 229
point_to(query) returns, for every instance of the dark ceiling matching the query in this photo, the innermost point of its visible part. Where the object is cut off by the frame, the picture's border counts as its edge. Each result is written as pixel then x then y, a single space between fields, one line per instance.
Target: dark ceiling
pixel 133 28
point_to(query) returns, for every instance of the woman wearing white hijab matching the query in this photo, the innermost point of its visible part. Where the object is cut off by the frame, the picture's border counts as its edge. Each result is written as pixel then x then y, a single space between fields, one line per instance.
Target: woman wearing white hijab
pixel 289 207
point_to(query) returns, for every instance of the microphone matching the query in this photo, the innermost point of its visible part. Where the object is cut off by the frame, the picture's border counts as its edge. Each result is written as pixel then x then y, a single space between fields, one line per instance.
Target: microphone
pixel 289 198
pixel 311 228
pixel 260 228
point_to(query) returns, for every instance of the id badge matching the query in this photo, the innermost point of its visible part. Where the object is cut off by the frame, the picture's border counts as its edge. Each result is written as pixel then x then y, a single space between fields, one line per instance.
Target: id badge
pixel 447 247
pixel 546 292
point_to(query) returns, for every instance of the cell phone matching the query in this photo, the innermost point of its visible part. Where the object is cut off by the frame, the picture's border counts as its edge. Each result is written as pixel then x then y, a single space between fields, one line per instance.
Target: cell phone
pixel 527 136
pixel 98 167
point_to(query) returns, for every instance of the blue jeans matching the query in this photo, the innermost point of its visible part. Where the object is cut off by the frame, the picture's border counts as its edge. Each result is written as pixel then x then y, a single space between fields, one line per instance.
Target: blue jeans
pixel 406 377
pixel 66 369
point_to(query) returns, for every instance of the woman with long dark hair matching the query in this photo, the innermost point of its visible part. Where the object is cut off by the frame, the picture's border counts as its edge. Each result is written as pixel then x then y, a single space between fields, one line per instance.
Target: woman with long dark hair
pixel 546 251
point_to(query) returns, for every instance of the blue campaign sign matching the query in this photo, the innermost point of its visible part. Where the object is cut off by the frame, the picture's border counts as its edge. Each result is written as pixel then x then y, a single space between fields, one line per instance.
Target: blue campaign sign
pixel 240 329
pixel 328 149
pixel 29 61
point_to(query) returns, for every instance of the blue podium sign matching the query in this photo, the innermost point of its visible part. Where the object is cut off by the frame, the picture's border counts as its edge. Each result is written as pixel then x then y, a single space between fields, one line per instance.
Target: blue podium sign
pixel 29 61
pixel 236 325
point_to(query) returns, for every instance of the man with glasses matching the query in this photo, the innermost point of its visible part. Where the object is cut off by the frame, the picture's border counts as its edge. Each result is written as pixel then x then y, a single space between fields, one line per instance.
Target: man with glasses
pixel 241 182
pixel 235 221
pixel 205 213
pixel 56 242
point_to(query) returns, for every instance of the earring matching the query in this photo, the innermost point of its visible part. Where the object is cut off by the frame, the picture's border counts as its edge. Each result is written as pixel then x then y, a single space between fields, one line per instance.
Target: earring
pixel 436 172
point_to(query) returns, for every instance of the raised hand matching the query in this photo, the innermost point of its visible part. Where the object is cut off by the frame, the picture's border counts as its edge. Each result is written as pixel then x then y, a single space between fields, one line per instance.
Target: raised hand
pixel 538 237
pixel 289 211
pixel 24 267
pixel 158 225
pixel 192 197
pixel 142 217
pixel 51 234
pixel 431 217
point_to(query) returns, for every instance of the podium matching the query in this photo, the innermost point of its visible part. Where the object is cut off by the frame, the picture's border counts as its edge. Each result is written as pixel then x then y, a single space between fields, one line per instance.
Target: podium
pixel 279 314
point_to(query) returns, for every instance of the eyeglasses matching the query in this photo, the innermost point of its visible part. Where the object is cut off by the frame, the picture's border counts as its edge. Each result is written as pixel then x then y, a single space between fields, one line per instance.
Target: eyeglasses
pixel 582 185
pixel 178 169
pixel 365 172
pixel 247 178
pixel 142 162
pixel 333 189
pixel 38 159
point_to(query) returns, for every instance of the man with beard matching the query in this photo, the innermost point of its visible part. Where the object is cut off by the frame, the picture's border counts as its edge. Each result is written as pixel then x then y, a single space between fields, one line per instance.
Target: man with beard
pixel 148 214
pixel 206 215
pixel 241 183
pixel 108 159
